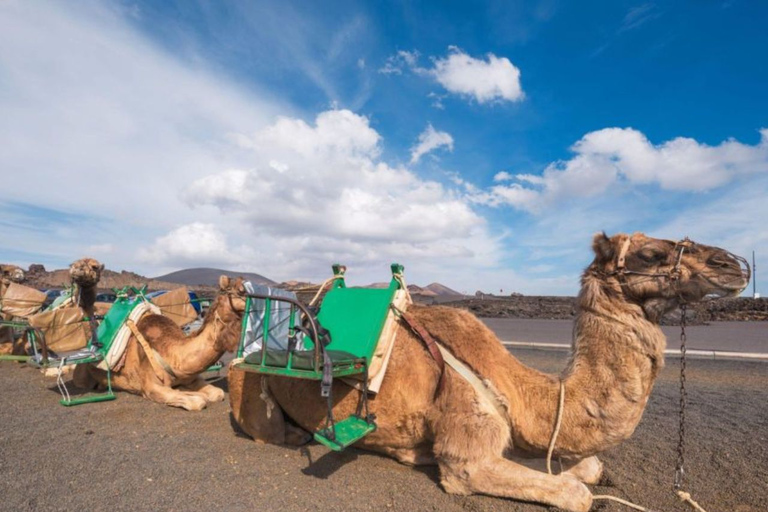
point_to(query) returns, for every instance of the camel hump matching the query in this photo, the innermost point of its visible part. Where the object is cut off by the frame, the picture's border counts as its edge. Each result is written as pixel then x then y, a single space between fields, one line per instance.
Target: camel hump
pixel 461 332
pixel 160 330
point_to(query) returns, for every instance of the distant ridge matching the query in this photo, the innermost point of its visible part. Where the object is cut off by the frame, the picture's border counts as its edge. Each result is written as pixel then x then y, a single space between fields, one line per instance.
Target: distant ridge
pixel 209 277
pixel 441 289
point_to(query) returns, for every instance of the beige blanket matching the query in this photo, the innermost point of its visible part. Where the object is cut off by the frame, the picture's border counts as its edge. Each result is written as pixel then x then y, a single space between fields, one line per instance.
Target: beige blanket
pixel 63 328
pixel 176 306
pixel 21 301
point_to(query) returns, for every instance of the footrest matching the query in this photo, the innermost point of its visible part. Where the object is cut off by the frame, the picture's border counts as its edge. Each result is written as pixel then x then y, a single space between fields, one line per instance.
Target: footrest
pixel 103 397
pixel 347 431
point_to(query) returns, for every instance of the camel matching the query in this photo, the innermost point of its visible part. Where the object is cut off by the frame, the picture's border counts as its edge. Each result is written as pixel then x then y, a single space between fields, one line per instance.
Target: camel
pixel 186 356
pixel 85 274
pixel 499 449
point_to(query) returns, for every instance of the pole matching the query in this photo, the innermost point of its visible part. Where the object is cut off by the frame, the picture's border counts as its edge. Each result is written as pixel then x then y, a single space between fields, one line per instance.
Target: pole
pixel 754 277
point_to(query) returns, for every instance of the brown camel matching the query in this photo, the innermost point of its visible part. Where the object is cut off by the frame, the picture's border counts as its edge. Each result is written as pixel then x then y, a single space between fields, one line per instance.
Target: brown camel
pixel 187 357
pixel 85 274
pixel 498 449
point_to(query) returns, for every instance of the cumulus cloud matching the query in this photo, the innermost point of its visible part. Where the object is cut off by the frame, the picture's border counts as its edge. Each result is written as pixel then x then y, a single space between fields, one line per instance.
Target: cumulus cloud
pixel 429 140
pixel 607 156
pixel 197 243
pixel 319 192
pixel 485 80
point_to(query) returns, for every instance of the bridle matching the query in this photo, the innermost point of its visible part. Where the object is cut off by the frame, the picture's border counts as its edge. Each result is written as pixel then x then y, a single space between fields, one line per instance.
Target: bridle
pixel 673 274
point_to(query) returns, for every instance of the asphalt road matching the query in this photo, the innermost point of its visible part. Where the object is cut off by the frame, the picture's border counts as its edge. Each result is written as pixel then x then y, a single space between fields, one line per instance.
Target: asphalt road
pixel 728 336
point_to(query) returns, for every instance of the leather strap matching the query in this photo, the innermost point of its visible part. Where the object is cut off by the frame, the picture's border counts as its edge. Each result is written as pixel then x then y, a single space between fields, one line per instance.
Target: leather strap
pixel 428 340
pixel 158 363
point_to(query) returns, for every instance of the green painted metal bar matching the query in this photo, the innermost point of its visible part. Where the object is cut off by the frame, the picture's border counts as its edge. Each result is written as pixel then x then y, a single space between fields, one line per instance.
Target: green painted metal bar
pixel 291 333
pixel 265 330
pixel 9 357
pixel 243 325
pixel 299 374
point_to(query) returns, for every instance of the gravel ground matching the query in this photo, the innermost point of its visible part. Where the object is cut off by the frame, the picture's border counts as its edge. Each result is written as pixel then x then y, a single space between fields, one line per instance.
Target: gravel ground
pixel 131 454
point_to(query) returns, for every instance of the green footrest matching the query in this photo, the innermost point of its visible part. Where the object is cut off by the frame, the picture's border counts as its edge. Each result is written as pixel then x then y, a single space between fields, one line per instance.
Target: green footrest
pixel 348 431
pixel 88 399
pixel 14 358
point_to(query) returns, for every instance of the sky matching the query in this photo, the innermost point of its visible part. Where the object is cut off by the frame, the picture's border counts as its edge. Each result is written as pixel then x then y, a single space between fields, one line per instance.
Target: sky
pixel 480 144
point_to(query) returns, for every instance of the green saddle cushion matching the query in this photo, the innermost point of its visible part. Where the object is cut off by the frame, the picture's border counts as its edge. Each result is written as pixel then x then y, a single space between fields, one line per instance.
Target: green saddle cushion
pixel 302 359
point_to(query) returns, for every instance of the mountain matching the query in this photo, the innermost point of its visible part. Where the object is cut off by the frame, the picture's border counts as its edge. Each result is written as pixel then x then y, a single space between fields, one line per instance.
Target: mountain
pixel 209 277
pixel 441 289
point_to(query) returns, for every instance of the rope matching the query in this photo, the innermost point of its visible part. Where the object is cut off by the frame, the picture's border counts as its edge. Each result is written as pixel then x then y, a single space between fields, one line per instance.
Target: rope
pixel 558 421
pixel 623 502
pixel 551 449
pixel 322 287
pixel 685 497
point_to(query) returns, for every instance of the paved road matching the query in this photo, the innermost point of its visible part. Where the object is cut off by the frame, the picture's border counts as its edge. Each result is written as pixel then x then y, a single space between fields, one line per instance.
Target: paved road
pixel 727 336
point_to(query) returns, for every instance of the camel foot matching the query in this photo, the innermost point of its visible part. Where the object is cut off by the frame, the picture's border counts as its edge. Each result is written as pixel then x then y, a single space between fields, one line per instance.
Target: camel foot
pixel 588 471
pixel 213 394
pixel 193 403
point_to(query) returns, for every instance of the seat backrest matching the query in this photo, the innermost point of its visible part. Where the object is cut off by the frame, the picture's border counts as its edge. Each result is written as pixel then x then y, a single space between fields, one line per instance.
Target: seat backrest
pixel 355 317
pixel 278 320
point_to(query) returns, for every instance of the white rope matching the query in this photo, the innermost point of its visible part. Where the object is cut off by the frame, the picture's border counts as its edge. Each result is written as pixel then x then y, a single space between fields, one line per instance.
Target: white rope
pixel 685 497
pixel 558 421
pixel 322 287
pixel 551 449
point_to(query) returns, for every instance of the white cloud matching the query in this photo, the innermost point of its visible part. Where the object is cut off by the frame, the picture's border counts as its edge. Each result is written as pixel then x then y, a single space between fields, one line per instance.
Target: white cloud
pixel 429 140
pixel 332 198
pixel 605 156
pixel 395 64
pixel 196 243
pixel 485 80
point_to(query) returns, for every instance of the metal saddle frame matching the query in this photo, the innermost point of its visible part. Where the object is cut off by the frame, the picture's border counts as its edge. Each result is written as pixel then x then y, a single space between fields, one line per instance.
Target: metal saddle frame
pixel 341 338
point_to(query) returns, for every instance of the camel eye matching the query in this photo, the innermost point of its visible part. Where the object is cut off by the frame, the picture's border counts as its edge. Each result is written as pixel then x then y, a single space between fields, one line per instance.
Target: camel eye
pixel 651 255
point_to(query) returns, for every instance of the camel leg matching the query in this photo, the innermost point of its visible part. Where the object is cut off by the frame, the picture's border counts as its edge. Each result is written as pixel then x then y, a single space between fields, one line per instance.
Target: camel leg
pixel 588 470
pixel 157 392
pixel 209 392
pixel 506 478
pixel 471 439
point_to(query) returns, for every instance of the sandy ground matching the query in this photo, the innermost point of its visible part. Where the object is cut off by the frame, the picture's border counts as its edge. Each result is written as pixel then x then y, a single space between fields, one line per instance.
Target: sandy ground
pixel 131 454
pixel 727 336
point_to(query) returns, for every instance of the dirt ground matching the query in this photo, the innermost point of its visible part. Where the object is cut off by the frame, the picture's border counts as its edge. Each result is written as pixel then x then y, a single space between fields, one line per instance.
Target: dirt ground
pixel 131 454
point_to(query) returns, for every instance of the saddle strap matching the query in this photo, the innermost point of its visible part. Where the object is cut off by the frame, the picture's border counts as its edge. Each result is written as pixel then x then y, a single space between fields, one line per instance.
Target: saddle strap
pixel 427 338
pixel 155 360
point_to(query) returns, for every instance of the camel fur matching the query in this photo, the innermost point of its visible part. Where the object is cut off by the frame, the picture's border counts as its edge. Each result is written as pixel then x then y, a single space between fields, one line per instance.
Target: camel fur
pixel 617 353
pixel 187 356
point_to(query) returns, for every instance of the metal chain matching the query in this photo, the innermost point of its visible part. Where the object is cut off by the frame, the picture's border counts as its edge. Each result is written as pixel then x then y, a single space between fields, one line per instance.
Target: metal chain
pixel 679 471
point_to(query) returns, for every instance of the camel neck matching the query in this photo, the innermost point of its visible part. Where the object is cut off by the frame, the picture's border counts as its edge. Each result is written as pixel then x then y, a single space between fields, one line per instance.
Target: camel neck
pixel 86 297
pixel 208 345
pixel 617 354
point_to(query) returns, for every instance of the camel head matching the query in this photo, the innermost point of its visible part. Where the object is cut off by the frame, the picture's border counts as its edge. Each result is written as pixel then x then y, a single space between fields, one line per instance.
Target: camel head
pixel 86 272
pixel 660 275
pixel 228 307
pixel 12 273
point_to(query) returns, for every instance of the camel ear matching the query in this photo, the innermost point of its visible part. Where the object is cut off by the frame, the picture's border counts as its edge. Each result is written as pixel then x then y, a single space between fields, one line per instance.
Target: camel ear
pixel 603 247
pixel 223 283
pixel 101 268
pixel 240 286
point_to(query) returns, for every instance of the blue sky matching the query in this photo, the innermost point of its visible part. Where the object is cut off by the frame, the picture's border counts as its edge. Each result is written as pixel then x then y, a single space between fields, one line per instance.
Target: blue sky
pixel 480 144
